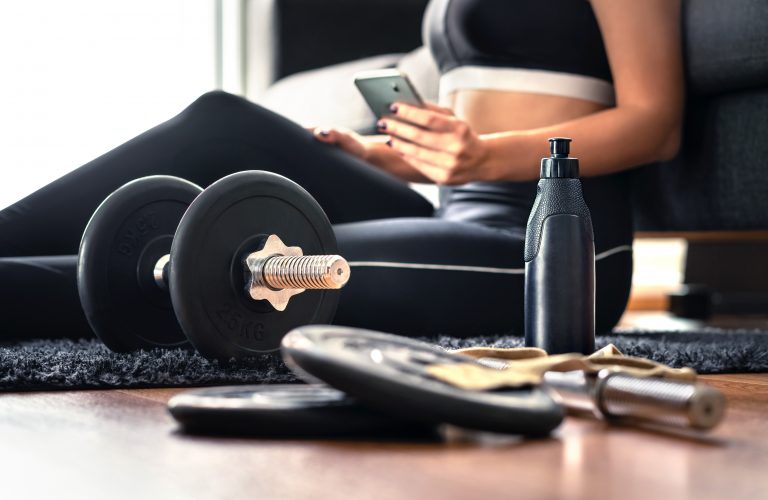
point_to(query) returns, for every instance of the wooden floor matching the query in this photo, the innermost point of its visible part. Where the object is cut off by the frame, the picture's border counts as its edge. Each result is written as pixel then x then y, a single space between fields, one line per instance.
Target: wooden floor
pixel 124 444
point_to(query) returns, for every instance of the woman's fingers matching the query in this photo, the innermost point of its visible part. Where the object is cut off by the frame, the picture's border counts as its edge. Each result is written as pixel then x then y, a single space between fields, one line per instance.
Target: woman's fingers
pixel 333 136
pixel 327 135
pixel 411 133
pixel 441 146
pixel 425 118
pixel 343 139
pixel 412 151
pixel 438 175
pixel 438 109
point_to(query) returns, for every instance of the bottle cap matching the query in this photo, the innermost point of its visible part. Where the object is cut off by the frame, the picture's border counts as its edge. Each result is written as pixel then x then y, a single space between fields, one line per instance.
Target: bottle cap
pixel 559 164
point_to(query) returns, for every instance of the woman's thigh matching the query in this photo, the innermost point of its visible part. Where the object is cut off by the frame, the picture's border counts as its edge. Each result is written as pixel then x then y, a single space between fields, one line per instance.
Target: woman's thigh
pixel 216 135
pixel 433 276
pixel 416 276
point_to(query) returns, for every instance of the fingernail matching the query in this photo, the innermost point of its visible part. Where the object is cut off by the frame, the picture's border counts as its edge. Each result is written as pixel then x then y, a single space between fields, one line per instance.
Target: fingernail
pixel 389 142
pixel 393 108
pixel 325 133
pixel 381 125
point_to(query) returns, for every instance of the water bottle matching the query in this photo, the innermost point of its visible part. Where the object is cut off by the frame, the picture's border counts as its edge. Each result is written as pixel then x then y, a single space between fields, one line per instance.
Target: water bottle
pixel 560 259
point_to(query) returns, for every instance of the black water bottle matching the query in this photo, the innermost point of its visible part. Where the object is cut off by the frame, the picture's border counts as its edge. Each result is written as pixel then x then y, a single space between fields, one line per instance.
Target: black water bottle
pixel 560 259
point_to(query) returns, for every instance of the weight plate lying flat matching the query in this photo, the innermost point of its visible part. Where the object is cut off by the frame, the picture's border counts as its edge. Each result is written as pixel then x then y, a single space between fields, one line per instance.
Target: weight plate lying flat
pixel 295 410
pixel 229 220
pixel 387 372
pixel 122 242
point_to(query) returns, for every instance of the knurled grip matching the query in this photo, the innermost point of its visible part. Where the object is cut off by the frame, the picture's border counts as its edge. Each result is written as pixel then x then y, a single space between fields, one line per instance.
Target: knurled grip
pixel 660 400
pixel 555 196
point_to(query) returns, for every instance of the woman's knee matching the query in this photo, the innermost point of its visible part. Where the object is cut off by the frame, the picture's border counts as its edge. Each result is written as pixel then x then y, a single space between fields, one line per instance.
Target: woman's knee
pixel 215 102
pixel 221 111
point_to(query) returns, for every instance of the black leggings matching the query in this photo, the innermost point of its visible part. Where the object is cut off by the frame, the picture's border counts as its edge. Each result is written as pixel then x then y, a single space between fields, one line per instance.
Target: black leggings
pixel 414 272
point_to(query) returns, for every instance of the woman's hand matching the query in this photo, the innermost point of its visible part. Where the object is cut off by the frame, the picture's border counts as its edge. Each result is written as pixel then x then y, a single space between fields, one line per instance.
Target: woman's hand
pixel 371 149
pixel 436 143
pixel 351 142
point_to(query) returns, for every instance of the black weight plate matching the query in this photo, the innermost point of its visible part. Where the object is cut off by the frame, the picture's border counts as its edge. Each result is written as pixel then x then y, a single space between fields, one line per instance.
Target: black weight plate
pixel 289 410
pixel 387 372
pixel 228 221
pixel 122 242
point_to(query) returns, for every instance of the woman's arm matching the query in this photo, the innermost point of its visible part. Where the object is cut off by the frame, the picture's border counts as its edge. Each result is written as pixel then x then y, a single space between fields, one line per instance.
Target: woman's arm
pixel 642 40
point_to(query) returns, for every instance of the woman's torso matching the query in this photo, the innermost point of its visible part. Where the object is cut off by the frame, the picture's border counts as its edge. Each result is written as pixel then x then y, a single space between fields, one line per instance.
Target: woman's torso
pixel 516 65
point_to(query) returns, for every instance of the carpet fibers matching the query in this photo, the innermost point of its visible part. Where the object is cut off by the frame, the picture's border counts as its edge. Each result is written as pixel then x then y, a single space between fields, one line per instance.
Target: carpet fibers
pixel 87 364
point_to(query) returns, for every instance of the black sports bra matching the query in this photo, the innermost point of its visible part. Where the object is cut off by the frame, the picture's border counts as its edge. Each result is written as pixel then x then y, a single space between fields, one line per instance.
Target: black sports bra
pixel 549 46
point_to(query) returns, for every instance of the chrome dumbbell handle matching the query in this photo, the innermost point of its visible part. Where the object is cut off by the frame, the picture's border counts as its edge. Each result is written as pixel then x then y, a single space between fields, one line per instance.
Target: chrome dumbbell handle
pixel 614 395
pixel 662 401
pixel 160 272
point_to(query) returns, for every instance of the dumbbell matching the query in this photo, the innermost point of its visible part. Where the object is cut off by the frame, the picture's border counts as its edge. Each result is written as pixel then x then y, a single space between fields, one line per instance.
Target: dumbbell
pixel 163 263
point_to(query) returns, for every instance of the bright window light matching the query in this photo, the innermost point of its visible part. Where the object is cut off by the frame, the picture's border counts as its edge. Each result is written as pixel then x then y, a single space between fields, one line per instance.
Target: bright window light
pixel 80 77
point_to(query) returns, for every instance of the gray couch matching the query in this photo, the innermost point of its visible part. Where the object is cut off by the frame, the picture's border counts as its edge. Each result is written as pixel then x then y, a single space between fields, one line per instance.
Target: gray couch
pixel 719 181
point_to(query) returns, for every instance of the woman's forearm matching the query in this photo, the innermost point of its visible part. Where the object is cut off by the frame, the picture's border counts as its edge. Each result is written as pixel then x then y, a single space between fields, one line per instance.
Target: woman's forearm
pixel 605 142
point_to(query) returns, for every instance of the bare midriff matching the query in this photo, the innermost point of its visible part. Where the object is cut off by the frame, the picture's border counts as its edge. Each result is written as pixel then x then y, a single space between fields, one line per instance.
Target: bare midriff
pixel 489 111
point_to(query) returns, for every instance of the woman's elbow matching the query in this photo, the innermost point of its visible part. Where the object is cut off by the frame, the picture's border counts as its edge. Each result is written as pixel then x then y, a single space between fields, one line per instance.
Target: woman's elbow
pixel 670 143
pixel 664 126
pixel 659 128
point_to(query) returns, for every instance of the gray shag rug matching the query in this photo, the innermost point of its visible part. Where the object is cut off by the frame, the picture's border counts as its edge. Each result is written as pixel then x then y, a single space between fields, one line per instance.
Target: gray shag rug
pixel 87 364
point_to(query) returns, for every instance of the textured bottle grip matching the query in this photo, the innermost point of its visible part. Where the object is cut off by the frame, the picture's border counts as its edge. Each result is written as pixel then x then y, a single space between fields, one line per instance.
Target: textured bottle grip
pixel 555 196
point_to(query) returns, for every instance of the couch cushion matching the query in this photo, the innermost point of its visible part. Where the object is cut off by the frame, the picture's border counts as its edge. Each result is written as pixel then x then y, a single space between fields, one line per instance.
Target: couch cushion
pixel 726 44
pixel 719 181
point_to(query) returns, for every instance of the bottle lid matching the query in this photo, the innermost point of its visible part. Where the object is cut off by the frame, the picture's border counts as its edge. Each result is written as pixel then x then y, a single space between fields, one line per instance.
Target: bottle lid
pixel 559 164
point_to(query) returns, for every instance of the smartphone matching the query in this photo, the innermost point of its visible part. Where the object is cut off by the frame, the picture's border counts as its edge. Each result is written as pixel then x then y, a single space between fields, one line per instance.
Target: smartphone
pixel 381 88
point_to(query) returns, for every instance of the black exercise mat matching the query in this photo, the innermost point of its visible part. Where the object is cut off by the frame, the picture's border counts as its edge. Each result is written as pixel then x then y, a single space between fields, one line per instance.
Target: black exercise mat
pixel 87 364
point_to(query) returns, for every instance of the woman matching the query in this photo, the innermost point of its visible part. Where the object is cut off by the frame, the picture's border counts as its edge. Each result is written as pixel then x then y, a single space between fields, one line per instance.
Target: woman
pixel 606 73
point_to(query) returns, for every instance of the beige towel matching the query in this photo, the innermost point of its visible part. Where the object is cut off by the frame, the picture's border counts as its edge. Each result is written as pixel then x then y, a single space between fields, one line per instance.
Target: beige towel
pixel 525 366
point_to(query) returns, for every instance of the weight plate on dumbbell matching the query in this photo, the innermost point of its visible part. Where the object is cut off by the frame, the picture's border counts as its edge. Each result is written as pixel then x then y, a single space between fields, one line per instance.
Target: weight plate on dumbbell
pixel 231 219
pixel 388 372
pixel 126 236
pixel 285 410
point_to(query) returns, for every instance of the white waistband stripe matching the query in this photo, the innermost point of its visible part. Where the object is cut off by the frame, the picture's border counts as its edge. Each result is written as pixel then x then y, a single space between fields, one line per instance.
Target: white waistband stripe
pixel 473 269
pixel 527 80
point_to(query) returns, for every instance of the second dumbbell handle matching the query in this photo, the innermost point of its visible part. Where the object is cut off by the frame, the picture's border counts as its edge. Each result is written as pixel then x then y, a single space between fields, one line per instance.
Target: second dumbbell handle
pixel 614 395
pixel 160 271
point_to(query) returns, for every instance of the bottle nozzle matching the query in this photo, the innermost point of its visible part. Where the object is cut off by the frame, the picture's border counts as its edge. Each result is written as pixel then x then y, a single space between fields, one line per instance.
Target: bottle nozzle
pixel 559 164
pixel 560 147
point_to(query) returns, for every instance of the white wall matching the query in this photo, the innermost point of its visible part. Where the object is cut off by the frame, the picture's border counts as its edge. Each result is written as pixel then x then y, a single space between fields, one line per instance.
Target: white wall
pixel 79 77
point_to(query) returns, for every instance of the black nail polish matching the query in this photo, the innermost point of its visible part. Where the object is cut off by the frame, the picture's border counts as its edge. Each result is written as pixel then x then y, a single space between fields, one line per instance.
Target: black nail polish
pixel 393 108
pixel 389 143
pixel 325 133
pixel 381 125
